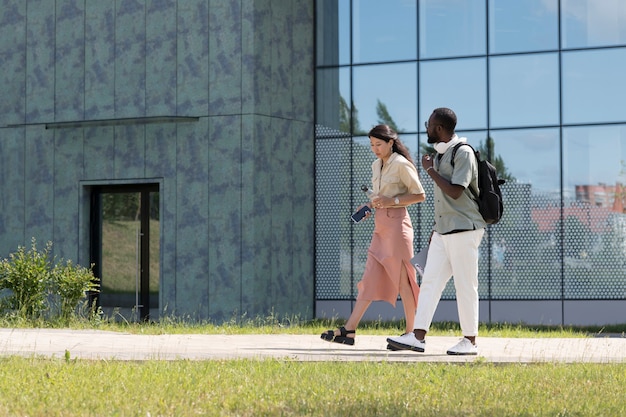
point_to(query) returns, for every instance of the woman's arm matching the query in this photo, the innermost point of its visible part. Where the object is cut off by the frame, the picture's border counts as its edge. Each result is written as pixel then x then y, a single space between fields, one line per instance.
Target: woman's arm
pixel 403 200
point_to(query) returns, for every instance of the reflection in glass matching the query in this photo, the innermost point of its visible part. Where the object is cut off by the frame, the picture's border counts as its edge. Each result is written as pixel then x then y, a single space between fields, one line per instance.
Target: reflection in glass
pixel 523 26
pixel 563 234
pixel 121 228
pixel 524 90
pixel 333 100
pixel 524 248
pixel 389 91
pixel 155 247
pixel 384 31
pixel 457 84
pixel 593 86
pixel 531 159
pixel 588 23
pixel 593 155
pixel 124 280
pixel 594 215
pixel 333 32
pixel 451 28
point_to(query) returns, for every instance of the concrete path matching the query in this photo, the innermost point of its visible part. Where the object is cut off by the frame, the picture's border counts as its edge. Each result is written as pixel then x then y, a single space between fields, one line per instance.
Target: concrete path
pixel 95 345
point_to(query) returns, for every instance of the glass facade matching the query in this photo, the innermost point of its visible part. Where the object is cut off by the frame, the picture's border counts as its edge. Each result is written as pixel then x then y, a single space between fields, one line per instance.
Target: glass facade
pixel 536 85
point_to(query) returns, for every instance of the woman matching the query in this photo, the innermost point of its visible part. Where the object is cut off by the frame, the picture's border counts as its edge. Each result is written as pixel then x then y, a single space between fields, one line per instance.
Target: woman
pixel 388 270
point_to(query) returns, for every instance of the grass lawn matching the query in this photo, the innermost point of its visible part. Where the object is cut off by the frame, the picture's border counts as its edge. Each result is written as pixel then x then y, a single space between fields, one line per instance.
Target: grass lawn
pixel 69 387
pixel 43 387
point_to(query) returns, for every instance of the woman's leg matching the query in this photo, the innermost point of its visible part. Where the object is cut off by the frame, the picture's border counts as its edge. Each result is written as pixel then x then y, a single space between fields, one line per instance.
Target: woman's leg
pixel 357 313
pixel 408 299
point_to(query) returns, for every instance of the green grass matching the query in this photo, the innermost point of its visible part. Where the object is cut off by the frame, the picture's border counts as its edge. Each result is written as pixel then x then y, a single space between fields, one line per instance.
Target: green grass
pixel 272 324
pixel 45 387
pixel 39 386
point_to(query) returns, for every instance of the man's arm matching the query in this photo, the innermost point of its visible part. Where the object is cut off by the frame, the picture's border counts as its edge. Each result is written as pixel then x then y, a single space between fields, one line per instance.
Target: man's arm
pixel 452 190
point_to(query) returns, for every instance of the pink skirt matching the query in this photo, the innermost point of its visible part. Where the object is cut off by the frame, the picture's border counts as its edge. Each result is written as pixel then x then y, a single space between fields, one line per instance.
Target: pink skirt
pixel 391 247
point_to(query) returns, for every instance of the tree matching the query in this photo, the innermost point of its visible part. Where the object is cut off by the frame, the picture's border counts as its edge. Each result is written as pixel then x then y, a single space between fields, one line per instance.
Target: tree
pixel 348 114
pixel 344 115
pixel 487 152
pixel 486 149
pixel 384 117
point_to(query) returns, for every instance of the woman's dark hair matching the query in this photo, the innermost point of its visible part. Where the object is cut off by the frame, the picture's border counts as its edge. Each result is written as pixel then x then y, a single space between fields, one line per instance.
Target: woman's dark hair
pixel 386 133
pixel 446 117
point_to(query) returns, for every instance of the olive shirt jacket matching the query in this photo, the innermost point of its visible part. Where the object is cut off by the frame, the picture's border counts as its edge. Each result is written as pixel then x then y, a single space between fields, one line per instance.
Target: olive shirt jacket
pixel 461 214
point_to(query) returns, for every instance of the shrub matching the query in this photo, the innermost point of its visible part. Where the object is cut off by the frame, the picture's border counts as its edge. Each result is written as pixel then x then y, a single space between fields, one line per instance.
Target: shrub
pixel 70 282
pixel 26 274
pixel 33 282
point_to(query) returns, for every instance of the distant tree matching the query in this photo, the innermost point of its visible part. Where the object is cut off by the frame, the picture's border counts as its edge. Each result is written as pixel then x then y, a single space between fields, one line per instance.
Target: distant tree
pixel 486 149
pixel 349 118
pixel 344 115
pixel 487 152
pixel 384 117
pixel 347 114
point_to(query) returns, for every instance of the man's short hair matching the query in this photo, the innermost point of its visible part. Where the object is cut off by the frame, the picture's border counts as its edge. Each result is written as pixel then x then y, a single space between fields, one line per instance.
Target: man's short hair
pixel 446 117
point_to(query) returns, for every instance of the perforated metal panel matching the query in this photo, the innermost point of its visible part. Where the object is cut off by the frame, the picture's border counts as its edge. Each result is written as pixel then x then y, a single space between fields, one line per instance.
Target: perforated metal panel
pixel 332 208
pixel 539 251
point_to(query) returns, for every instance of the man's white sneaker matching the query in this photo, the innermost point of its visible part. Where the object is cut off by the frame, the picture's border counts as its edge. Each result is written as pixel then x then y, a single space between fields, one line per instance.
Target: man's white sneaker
pixel 464 347
pixel 407 341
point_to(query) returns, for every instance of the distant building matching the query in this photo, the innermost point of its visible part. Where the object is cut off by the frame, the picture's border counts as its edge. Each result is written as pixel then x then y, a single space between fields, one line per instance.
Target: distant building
pixel 602 195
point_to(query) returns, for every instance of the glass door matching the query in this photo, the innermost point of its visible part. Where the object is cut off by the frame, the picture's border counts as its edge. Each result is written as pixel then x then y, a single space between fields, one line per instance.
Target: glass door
pixel 125 249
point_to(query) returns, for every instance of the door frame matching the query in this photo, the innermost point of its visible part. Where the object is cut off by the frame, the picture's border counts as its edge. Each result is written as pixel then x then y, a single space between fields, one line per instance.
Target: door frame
pixel 95 233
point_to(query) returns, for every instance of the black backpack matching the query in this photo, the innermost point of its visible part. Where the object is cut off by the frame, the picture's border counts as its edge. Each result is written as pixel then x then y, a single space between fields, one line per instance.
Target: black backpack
pixel 490 199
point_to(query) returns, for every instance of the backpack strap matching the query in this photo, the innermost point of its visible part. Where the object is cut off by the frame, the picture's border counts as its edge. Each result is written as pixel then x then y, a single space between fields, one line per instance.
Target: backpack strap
pixel 457 146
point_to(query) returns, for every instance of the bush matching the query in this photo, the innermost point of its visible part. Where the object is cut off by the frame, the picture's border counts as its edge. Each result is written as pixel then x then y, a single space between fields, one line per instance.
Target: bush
pixel 32 282
pixel 27 275
pixel 71 282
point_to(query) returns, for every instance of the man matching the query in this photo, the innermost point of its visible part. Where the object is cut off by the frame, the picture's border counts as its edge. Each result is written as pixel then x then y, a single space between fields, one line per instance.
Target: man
pixel 457 233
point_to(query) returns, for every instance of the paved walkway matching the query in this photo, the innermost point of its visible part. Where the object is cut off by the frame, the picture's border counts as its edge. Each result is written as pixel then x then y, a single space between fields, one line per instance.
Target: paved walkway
pixel 94 345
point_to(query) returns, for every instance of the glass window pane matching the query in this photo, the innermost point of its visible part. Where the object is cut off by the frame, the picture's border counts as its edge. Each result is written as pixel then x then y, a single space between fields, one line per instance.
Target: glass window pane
pixel 333 100
pixel 588 23
pixel 522 26
pixel 593 86
pixel 333 32
pixel 594 221
pixel 385 94
pixel 457 84
pixel 524 90
pixel 525 245
pixel 384 30
pixel 452 28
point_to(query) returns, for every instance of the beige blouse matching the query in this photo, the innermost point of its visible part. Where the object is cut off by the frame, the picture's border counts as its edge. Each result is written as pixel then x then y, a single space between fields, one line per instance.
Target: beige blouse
pixel 397 177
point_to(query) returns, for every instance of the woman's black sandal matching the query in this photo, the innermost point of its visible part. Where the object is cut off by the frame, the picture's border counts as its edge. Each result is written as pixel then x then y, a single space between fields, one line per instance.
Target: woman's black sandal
pixel 343 338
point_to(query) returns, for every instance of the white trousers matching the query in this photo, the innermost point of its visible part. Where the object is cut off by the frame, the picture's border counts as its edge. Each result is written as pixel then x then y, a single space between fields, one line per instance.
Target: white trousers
pixel 451 255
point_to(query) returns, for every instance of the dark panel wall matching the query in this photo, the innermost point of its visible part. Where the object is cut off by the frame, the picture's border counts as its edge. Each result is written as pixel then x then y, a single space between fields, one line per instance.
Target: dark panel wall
pixel 236 186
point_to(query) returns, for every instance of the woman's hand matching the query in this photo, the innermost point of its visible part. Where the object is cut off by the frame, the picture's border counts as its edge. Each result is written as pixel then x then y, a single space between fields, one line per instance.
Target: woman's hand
pixel 367 214
pixel 381 202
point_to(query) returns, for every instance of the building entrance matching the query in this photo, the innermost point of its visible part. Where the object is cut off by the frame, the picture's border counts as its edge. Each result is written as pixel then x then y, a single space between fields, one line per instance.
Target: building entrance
pixel 125 249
